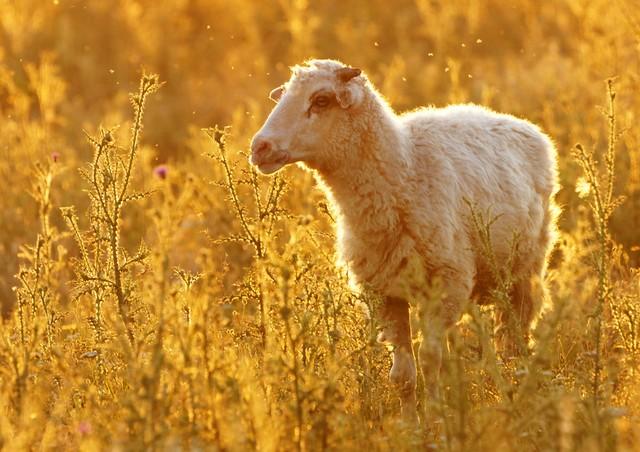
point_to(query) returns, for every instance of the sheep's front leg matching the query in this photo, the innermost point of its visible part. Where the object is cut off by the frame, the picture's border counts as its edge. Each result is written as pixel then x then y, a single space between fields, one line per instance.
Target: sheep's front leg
pixel 430 353
pixel 396 331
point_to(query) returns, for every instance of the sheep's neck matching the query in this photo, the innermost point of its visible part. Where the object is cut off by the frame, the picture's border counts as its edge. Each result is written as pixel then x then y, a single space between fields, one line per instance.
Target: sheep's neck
pixel 368 184
pixel 368 190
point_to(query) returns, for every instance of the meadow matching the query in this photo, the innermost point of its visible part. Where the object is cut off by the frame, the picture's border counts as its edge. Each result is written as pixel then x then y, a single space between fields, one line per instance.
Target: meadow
pixel 158 294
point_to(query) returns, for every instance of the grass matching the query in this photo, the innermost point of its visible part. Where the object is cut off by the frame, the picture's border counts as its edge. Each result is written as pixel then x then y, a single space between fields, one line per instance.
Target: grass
pixel 168 297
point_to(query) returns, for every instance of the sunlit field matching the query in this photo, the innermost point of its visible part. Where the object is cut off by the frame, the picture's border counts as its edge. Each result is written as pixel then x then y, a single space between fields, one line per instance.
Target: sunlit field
pixel 157 293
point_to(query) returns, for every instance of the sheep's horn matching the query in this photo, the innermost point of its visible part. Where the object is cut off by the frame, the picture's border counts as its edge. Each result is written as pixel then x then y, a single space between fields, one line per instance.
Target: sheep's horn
pixel 345 74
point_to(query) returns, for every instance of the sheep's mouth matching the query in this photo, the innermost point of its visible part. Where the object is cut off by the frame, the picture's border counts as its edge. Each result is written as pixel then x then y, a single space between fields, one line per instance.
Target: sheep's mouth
pixel 271 163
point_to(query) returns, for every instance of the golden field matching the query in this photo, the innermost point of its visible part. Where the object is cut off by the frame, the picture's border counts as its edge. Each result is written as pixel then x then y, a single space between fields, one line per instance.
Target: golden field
pixel 158 294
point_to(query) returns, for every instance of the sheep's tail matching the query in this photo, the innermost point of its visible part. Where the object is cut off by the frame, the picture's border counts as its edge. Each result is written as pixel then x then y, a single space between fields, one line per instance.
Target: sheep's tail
pixel 548 238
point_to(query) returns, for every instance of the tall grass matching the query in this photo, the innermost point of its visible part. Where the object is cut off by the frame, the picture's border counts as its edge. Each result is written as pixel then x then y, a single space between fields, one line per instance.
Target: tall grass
pixel 185 302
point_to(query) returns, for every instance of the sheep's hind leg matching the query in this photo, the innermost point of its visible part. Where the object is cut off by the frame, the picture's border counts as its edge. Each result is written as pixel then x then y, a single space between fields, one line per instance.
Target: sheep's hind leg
pixel 394 313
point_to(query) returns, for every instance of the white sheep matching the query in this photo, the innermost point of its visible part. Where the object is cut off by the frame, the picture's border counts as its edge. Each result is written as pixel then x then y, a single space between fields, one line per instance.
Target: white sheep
pixel 401 185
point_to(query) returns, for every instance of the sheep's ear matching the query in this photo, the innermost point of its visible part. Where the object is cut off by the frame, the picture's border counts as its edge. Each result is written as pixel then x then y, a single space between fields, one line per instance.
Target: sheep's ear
pixel 345 74
pixel 348 94
pixel 276 93
pixel 344 96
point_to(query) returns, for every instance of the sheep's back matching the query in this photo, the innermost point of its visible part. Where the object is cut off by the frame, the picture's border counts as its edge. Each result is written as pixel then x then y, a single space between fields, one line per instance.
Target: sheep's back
pixel 502 164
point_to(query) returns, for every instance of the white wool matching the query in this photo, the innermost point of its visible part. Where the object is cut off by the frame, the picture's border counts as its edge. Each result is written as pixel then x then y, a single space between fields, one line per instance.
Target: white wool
pixel 399 182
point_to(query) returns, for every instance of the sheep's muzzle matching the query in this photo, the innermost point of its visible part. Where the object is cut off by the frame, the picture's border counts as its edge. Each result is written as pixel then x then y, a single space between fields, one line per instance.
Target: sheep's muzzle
pixel 267 157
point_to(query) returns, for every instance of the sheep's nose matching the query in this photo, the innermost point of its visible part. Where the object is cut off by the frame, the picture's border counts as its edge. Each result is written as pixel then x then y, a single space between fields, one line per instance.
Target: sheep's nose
pixel 260 147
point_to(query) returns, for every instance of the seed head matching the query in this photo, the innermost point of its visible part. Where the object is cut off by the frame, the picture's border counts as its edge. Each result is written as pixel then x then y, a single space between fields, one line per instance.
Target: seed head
pixel 107 138
pixel 150 80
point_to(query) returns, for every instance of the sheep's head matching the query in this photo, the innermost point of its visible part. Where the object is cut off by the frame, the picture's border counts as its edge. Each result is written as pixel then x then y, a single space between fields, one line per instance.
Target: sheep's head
pixel 311 106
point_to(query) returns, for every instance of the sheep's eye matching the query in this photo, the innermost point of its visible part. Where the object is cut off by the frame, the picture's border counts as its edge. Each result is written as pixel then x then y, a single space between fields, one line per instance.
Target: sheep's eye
pixel 321 101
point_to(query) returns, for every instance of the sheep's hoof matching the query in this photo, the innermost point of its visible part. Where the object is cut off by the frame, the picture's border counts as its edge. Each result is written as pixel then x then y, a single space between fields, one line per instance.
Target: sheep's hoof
pixel 409 412
pixel 408 406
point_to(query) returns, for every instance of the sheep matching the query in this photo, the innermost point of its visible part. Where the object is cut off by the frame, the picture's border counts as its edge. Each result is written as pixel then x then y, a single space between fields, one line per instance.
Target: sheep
pixel 402 186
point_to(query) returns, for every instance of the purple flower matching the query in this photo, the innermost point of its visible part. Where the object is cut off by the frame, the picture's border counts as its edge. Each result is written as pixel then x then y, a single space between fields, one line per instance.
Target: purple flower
pixel 55 156
pixel 161 171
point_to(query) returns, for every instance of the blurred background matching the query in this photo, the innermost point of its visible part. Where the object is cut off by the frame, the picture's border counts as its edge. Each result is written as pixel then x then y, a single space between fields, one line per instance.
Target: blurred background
pixel 67 66
pixel 236 331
